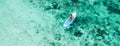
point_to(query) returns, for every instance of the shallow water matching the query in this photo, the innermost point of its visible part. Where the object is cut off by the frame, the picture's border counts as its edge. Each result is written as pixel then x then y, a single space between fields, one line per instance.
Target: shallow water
pixel 40 23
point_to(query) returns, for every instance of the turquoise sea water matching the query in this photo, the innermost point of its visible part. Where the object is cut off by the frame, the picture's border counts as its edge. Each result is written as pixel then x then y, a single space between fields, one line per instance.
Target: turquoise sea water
pixel 40 23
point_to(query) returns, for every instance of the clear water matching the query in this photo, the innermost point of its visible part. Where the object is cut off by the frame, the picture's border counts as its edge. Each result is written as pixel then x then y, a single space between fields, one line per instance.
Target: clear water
pixel 40 23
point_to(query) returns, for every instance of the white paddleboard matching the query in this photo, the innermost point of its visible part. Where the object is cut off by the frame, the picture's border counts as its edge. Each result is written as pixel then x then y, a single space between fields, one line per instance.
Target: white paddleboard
pixel 70 19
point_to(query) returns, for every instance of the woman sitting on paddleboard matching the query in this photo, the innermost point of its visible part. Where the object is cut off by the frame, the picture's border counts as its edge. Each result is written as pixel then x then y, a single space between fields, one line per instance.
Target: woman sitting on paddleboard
pixel 69 20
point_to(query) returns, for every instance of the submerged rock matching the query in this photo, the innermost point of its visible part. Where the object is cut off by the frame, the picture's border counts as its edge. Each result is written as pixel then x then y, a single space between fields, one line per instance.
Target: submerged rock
pixel 74 1
pixel 55 5
pixel 78 33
